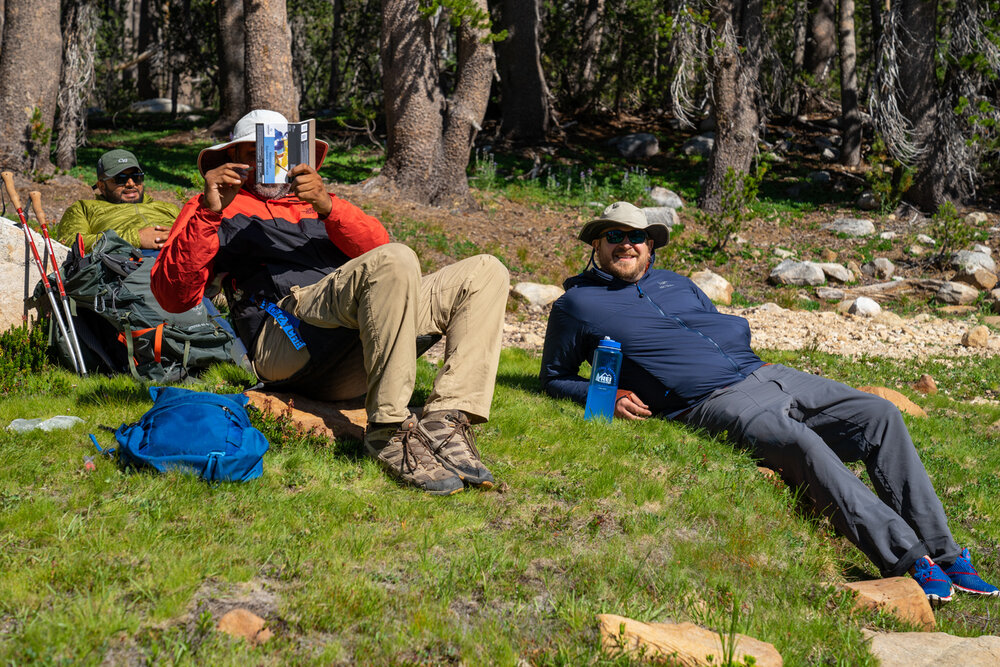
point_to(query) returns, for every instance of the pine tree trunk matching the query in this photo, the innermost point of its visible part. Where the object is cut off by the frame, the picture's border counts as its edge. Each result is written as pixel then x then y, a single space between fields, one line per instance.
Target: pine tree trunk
pixel 430 136
pixel 821 45
pixel 232 92
pixel 590 48
pixel 336 54
pixel 850 150
pixel 268 58
pixel 145 82
pixel 76 81
pixel 29 81
pixel 735 68
pixel 524 96
pixel 933 183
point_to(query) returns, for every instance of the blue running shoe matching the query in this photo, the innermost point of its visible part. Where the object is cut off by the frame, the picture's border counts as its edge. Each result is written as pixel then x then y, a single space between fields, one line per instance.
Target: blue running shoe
pixel 936 584
pixel 966 579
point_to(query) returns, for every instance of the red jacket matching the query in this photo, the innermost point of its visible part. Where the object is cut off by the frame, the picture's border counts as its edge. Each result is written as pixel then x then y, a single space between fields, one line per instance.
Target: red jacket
pixel 260 249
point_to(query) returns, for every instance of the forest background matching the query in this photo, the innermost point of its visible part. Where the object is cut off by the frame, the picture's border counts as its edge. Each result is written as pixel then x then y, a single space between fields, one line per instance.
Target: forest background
pixel 911 84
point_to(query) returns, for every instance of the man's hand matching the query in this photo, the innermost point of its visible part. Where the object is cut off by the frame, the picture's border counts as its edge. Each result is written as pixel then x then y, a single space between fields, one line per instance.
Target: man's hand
pixel 308 186
pixel 153 238
pixel 222 184
pixel 629 406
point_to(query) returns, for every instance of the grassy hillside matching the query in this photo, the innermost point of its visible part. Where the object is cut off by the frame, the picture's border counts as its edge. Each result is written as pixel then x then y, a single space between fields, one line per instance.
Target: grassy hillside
pixel 648 520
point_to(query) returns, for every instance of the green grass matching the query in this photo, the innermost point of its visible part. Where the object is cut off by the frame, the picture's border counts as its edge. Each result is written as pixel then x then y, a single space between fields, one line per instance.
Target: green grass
pixel 648 520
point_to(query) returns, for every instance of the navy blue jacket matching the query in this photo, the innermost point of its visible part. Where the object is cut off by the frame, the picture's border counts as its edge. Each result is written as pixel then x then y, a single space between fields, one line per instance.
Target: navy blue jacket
pixel 677 347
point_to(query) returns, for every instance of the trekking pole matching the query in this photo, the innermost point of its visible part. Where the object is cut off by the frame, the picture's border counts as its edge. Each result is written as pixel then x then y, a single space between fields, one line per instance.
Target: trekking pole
pixel 8 181
pixel 36 205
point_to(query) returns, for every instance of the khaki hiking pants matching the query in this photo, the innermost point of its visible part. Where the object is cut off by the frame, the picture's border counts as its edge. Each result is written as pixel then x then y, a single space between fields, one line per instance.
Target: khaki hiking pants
pixel 383 296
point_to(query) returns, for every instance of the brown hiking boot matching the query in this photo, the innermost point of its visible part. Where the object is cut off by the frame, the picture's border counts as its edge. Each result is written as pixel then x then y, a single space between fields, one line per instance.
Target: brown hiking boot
pixel 402 450
pixel 453 444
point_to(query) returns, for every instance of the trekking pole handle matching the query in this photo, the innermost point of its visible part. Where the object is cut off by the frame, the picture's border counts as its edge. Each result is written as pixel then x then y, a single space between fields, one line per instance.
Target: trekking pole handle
pixel 36 205
pixel 8 183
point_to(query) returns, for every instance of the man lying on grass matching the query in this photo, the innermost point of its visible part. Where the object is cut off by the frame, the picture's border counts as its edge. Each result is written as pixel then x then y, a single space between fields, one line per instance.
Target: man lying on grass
pixel 684 360
pixel 329 308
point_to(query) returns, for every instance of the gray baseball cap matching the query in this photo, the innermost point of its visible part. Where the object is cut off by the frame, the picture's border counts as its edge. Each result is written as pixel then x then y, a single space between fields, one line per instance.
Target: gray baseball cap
pixel 624 214
pixel 115 162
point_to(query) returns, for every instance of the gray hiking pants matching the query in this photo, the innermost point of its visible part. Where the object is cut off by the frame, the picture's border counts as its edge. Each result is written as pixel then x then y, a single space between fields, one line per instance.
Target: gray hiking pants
pixel 806 426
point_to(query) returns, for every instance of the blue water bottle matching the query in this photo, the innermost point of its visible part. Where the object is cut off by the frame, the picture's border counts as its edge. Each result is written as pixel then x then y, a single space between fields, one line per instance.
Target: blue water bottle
pixel 604 380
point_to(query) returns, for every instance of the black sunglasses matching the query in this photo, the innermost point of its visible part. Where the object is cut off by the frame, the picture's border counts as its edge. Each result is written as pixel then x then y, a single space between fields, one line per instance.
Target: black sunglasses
pixel 635 236
pixel 122 179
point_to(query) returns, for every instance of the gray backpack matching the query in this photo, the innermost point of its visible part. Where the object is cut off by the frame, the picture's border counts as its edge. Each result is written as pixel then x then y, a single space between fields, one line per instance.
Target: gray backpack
pixel 122 328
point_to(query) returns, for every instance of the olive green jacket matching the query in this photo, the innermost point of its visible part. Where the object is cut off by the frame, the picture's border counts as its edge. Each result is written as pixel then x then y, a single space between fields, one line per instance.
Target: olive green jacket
pixel 90 217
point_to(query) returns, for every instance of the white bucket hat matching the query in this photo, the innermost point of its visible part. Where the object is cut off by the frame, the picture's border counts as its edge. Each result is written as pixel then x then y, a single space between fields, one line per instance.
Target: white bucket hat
pixel 624 214
pixel 244 131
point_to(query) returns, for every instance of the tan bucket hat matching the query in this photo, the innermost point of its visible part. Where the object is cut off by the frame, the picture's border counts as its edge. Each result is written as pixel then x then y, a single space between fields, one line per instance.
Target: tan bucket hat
pixel 624 214
pixel 244 131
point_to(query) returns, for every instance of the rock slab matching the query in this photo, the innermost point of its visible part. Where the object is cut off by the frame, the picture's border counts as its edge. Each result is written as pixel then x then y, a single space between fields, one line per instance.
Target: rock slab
pixel 680 643
pixel 899 400
pixel 334 420
pixel 246 624
pixel 12 262
pixel 900 596
pixel 851 226
pixel 927 649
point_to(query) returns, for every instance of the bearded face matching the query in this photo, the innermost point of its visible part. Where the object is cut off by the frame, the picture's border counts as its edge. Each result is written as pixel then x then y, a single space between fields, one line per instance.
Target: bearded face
pixel 626 260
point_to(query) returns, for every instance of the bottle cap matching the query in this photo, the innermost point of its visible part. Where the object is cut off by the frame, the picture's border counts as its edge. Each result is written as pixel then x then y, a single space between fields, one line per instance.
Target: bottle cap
pixel 607 342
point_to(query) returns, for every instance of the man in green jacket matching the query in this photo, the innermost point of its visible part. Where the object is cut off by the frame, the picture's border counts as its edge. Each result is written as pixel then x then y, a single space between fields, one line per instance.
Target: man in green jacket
pixel 121 205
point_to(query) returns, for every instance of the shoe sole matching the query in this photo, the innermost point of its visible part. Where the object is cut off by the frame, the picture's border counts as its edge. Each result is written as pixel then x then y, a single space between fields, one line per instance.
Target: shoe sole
pixel 937 600
pixel 990 594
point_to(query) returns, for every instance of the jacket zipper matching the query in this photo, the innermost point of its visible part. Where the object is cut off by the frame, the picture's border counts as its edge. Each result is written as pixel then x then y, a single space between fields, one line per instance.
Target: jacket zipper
pixel 736 367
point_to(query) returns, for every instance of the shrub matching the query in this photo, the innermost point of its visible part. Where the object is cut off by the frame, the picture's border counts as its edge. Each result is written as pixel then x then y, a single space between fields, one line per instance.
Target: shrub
pixel 23 350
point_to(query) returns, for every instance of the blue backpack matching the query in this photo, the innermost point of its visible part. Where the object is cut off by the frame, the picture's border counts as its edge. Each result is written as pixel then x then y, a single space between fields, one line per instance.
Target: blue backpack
pixel 201 432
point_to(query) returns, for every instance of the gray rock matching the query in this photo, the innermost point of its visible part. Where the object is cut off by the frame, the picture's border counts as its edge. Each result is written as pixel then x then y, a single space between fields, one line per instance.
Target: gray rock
pixel 926 240
pixel 957 293
pixel 880 267
pixel 158 105
pixel 976 218
pixel 851 226
pixel 12 258
pixel 717 288
pixel 985 249
pixel 819 176
pixel 636 146
pixel 790 272
pixel 867 201
pixel 836 272
pixel 967 260
pixel 664 197
pixel 865 307
pixel 700 145
pixel 769 307
pixel 535 294
pixel 662 214
pixel 931 649
pixel 830 293
pixel 916 250
pixel 887 236
pixel 830 155
pixel 781 253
